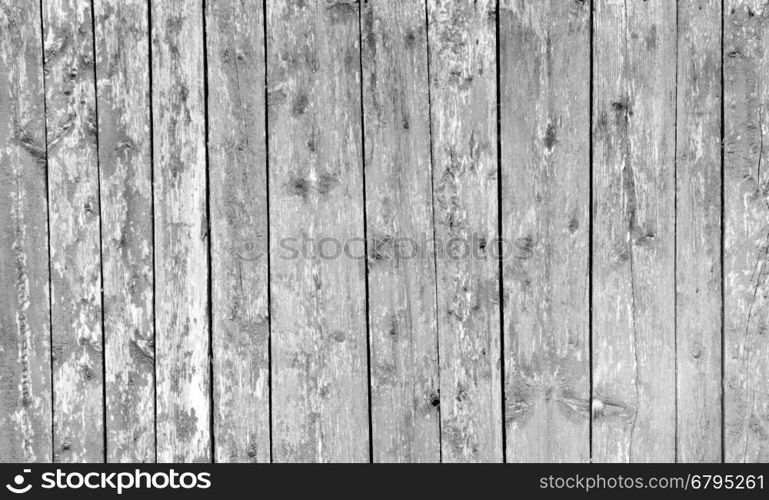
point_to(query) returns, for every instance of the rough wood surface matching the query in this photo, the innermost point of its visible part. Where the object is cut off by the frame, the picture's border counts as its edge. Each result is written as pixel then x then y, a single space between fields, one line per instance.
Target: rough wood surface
pixel 318 302
pixel 25 356
pixel 634 406
pixel 73 193
pixel 357 157
pixel 463 90
pixel 698 231
pixel 746 226
pixel 181 233
pixel 545 140
pixel 405 397
pixel 237 152
pixel 123 99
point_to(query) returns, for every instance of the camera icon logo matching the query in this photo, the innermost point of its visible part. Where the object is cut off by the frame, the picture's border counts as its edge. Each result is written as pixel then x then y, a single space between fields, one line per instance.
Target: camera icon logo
pixel 18 486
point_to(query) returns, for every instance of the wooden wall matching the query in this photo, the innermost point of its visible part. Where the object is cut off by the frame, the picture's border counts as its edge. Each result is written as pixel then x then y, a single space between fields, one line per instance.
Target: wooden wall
pixel 389 231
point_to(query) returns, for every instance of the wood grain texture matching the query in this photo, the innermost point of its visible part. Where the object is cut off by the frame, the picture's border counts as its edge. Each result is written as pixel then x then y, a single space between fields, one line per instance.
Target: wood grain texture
pixel 181 233
pixel 401 279
pixel 634 412
pixel 698 231
pixel 125 169
pixel 746 226
pixel 25 358
pixel 237 152
pixel 463 90
pixel 358 160
pixel 318 301
pixel 73 192
pixel 545 140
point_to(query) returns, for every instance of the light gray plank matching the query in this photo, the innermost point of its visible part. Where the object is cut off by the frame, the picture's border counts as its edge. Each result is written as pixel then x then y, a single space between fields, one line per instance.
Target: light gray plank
pixel 76 308
pixel 746 226
pixel 237 152
pixel 123 98
pixel 464 125
pixel 25 356
pixel 545 141
pixel 181 233
pixel 634 405
pixel 319 359
pixel 401 278
pixel 698 231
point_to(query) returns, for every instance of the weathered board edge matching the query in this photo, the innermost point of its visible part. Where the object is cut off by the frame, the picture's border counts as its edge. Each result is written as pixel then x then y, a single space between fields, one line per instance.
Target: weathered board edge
pixel 25 358
pixel 239 223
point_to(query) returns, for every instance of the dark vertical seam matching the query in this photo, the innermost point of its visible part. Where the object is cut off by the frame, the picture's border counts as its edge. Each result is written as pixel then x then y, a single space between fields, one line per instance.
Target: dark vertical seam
pixel 723 297
pixel 432 214
pixel 152 222
pixel 211 422
pixel 590 234
pixel 500 268
pixel 675 241
pixel 101 252
pixel 365 236
pixel 267 194
pixel 48 229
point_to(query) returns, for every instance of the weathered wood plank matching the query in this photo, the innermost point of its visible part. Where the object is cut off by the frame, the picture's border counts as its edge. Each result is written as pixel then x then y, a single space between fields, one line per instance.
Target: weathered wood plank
pixel 634 413
pixel 401 278
pixel 545 140
pixel 123 95
pixel 76 302
pixel 181 233
pixel 237 152
pixel 746 226
pixel 698 231
pixel 319 359
pixel 464 125
pixel 25 356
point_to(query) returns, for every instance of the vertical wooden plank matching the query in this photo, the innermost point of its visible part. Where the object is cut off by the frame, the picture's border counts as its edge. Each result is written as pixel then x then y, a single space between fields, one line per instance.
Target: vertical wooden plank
pixel 698 231
pixel 464 124
pixel 545 140
pixel 237 153
pixel 319 358
pixel 401 278
pixel 122 82
pixel 746 226
pixel 25 357
pixel 181 233
pixel 634 413
pixel 76 309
